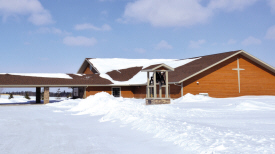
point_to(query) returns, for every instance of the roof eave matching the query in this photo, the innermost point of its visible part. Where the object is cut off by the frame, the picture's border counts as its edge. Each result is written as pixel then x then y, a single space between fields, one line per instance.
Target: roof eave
pixel 258 61
pixel 156 68
pixel 82 67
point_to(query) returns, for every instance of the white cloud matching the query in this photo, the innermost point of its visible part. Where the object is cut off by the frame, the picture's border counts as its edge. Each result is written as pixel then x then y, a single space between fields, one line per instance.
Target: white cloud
pixel 86 26
pixel 272 5
pixel 270 34
pixel 140 50
pixel 196 44
pixel 167 12
pixel 175 13
pixel 163 45
pixel 251 41
pixel 230 5
pixel 79 41
pixel 32 8
pixel 52 30
pixel 231 41
pixel 104 13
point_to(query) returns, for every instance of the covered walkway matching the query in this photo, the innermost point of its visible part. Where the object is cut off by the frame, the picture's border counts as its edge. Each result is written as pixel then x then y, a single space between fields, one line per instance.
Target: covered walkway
pixel 78 82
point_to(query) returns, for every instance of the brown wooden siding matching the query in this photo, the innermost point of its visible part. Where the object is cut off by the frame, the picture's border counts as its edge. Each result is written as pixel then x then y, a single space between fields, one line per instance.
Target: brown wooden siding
pixel 88 71
pixel 139 91
pixel 127 92
pixel 219 81
pixel 222 81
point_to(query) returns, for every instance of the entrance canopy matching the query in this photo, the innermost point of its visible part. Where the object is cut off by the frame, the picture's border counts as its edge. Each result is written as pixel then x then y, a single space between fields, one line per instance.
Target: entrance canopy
pixel 50 80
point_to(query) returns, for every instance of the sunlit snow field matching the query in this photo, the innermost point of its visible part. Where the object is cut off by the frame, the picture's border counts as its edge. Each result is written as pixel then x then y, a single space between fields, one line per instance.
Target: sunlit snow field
pixel 104 124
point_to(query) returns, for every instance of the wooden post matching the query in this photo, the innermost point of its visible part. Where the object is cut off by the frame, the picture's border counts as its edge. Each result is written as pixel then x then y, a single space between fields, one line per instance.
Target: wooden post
pixel 155 85
pixel 160 90
pixel 181 89
pixel 46 95
pixel 38 94
pixel 148 88
pixel 166 81
pixel 84 95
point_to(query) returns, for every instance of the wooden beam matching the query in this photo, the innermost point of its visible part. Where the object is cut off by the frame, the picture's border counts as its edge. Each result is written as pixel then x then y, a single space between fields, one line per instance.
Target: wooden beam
pixel 148 87
pixel 160 90
pixel 38 94
pixel 166 87
pixel 181 89
pixel 155 85
pixel 84 89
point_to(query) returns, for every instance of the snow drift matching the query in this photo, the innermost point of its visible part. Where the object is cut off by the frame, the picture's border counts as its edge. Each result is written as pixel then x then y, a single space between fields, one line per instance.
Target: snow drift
pixel 198 124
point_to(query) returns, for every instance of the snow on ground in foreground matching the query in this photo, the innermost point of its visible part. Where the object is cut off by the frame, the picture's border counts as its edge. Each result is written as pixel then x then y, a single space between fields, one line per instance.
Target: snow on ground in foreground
pixel 4 99
pixel 197 124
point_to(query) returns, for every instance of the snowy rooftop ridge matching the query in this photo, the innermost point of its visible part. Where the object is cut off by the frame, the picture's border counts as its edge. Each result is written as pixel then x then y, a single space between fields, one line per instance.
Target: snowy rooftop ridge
pixel 44 75
pixel 105 65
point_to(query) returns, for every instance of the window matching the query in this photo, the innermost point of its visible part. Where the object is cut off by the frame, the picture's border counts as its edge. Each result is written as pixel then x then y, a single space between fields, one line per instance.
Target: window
pixel 75 91
pixel 91 67
pixel 116 91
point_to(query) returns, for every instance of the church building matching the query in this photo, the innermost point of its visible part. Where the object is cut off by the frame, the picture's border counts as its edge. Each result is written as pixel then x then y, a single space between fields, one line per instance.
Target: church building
pixel 229 74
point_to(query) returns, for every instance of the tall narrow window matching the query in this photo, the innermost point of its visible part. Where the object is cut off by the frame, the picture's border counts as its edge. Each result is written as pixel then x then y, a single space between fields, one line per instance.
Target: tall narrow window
pixel 116 92
pixel 91 68
pixel 75 92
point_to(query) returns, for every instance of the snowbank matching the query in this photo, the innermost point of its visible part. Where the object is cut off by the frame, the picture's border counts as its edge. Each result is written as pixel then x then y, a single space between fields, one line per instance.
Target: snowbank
pixel 196 123
pixel 4 99
pixel 191 98
pixel 17 99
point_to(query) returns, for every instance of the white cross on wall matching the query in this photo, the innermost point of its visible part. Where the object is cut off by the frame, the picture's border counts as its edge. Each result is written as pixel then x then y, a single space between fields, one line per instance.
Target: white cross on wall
pixel 238 69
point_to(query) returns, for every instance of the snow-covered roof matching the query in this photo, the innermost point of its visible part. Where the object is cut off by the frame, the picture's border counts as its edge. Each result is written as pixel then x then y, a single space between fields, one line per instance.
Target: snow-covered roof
pixel 105 65
pixel 44 75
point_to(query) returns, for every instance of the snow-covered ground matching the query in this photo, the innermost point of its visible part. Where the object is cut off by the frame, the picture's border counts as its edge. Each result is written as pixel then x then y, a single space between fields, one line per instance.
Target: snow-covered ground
pixel 104 124
pixel 4 99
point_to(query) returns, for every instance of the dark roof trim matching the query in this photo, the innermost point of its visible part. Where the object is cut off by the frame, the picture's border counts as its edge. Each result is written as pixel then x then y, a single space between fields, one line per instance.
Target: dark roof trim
pixel 258 61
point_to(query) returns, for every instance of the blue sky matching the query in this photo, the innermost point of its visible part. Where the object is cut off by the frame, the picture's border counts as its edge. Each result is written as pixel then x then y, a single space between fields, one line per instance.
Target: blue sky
pixel 54 36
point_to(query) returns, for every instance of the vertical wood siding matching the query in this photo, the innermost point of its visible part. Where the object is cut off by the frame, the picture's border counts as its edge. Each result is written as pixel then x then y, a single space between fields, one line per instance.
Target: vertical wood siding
pixel 220 81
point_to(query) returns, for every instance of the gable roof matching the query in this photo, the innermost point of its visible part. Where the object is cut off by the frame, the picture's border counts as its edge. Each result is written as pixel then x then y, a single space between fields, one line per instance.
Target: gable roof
pixel 198 66
pixel 108 68
pixel 184 69
pixel 194 68
pixel 124 71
